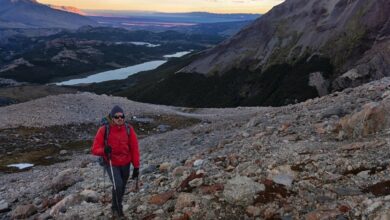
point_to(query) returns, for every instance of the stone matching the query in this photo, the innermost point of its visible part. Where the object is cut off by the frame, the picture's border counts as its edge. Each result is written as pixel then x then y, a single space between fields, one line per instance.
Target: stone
pixel 241 190
pixel 63 205
pixel 3 206
pixel 165 167
pixel 253 211
pixel 196 182
pixel 141 208
pixel 364 174
pixel 371 119
pixel 23 211
pixel 162 198
pixel 198 163
pixel 63 180
pixel 63 152
pixel 185 200
pixel 283 175
pixel 180 171
pixel 321 214
pixel 90 196
pixel 212 188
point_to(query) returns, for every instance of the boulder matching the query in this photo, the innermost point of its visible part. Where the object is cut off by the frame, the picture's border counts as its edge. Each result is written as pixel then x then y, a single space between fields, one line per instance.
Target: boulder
pixel 185 200
pixel 162 198
pixel 240 190
pixel 372 118
pixel 283 175
pixel 23 211
pixel 90 196
pixel 63 180
pixel 63 205
pixel 3 206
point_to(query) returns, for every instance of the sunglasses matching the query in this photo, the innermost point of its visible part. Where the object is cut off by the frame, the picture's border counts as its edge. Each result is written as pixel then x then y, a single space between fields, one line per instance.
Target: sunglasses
pixel 119 116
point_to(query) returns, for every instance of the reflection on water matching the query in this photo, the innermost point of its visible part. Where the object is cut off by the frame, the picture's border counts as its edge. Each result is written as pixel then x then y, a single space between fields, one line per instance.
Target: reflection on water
pixel 122 73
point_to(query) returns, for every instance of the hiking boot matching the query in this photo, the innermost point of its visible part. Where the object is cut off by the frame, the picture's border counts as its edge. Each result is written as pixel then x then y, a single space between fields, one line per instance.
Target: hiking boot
pixel 115 214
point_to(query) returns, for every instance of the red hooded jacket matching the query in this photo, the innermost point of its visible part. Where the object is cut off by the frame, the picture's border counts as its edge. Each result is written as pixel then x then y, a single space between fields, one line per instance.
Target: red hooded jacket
pixel 124 147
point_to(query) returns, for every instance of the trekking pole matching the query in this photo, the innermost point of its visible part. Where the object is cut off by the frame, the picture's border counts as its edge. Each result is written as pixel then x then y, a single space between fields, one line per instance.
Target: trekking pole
pixel 113 181
pixel 104 183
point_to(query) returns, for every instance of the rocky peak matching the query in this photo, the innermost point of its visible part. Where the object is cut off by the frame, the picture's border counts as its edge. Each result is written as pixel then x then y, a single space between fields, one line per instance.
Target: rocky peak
pixel 345 31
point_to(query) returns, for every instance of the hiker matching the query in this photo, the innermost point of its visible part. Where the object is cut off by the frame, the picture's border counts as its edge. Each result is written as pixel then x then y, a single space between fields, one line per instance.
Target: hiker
pixel 120 150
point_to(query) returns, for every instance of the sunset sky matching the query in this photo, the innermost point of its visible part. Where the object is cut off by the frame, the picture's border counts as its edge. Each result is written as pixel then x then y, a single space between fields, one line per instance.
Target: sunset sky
pixel 216 6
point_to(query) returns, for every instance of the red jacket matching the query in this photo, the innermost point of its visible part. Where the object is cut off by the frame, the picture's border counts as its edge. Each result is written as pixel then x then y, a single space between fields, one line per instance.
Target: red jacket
pixel 124 148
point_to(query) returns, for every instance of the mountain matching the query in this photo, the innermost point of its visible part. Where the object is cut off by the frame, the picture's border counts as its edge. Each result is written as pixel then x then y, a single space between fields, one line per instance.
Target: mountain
pixel 189 17
pixel 353 35
pixel 70 9
pixel 31 14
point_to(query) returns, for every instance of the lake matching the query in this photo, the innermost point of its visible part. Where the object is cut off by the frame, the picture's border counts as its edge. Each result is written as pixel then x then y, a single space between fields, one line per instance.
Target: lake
pixel 122 73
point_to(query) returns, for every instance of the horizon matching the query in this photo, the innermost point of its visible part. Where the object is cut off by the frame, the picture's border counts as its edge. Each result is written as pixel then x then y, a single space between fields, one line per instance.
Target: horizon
pixel 172 6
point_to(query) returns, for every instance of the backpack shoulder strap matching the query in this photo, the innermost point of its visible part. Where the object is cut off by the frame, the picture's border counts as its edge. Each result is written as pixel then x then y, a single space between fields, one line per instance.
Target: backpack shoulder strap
pixel 128 127
pixel 106 133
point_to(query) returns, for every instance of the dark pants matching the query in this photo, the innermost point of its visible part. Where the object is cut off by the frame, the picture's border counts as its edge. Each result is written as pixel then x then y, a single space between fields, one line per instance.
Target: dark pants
pixel 121 175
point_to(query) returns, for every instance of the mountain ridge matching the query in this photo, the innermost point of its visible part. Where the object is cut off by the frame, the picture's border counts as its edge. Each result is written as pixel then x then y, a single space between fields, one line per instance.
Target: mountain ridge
pixel 340 30
pixel 31 14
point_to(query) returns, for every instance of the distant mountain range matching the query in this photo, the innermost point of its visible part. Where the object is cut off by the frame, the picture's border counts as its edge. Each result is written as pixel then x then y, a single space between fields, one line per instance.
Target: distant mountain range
pixel 190 17
pixel 31 14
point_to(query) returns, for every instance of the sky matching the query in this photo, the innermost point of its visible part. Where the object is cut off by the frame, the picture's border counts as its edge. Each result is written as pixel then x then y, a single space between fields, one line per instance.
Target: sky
pixel 216 6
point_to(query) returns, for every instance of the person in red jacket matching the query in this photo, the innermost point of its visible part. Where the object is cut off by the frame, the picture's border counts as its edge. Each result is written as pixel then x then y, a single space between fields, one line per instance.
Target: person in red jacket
pixel 121 150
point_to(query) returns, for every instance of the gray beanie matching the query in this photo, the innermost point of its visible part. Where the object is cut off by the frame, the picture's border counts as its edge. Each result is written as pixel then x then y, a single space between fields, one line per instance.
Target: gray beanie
pixel 115 110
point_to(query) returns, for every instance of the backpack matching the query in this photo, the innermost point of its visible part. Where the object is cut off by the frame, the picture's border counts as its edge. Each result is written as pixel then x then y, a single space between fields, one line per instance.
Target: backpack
pixel 106 123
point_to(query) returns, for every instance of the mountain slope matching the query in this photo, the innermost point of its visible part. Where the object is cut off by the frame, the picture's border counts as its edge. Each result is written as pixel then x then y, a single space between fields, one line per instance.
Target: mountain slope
pixel 31 14
pixel 326 158
pixel 353 34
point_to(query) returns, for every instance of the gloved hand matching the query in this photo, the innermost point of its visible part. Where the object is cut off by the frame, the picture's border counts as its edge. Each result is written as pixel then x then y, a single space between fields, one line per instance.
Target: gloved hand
pixel 135 173
pixel 107 151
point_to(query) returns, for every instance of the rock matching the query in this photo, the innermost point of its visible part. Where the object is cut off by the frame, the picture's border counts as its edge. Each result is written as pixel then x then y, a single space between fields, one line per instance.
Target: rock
pixel 372 207
pixel 364 174
pixel 23 211
pixel 44 216
pixel 3 206
pixel 385 215
pixel 63 180
pixel 253 211
pixel 180 171
pixel 90 196
pixel 283 175
pixel 149 169
pixel 63 152
pixel 185 200
pixel 241 190
pixel 371 119
pixel 196 182
pixel 165 167
pixel 211 189
pixel 198 163
pixel 141 208
pixel 320 214
pixel 63 205
pixel 162 198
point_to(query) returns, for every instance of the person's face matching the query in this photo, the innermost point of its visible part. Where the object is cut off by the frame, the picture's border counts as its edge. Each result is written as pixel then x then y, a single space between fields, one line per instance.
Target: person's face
pixel 119 119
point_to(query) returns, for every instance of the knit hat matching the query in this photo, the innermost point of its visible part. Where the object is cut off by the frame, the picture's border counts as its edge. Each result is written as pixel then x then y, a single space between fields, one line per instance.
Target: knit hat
pixel 115 110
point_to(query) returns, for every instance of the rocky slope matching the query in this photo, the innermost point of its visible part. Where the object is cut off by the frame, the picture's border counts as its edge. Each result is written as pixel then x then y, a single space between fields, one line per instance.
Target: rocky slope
pixel 31 14
pixel 354 35
pixel 326 158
